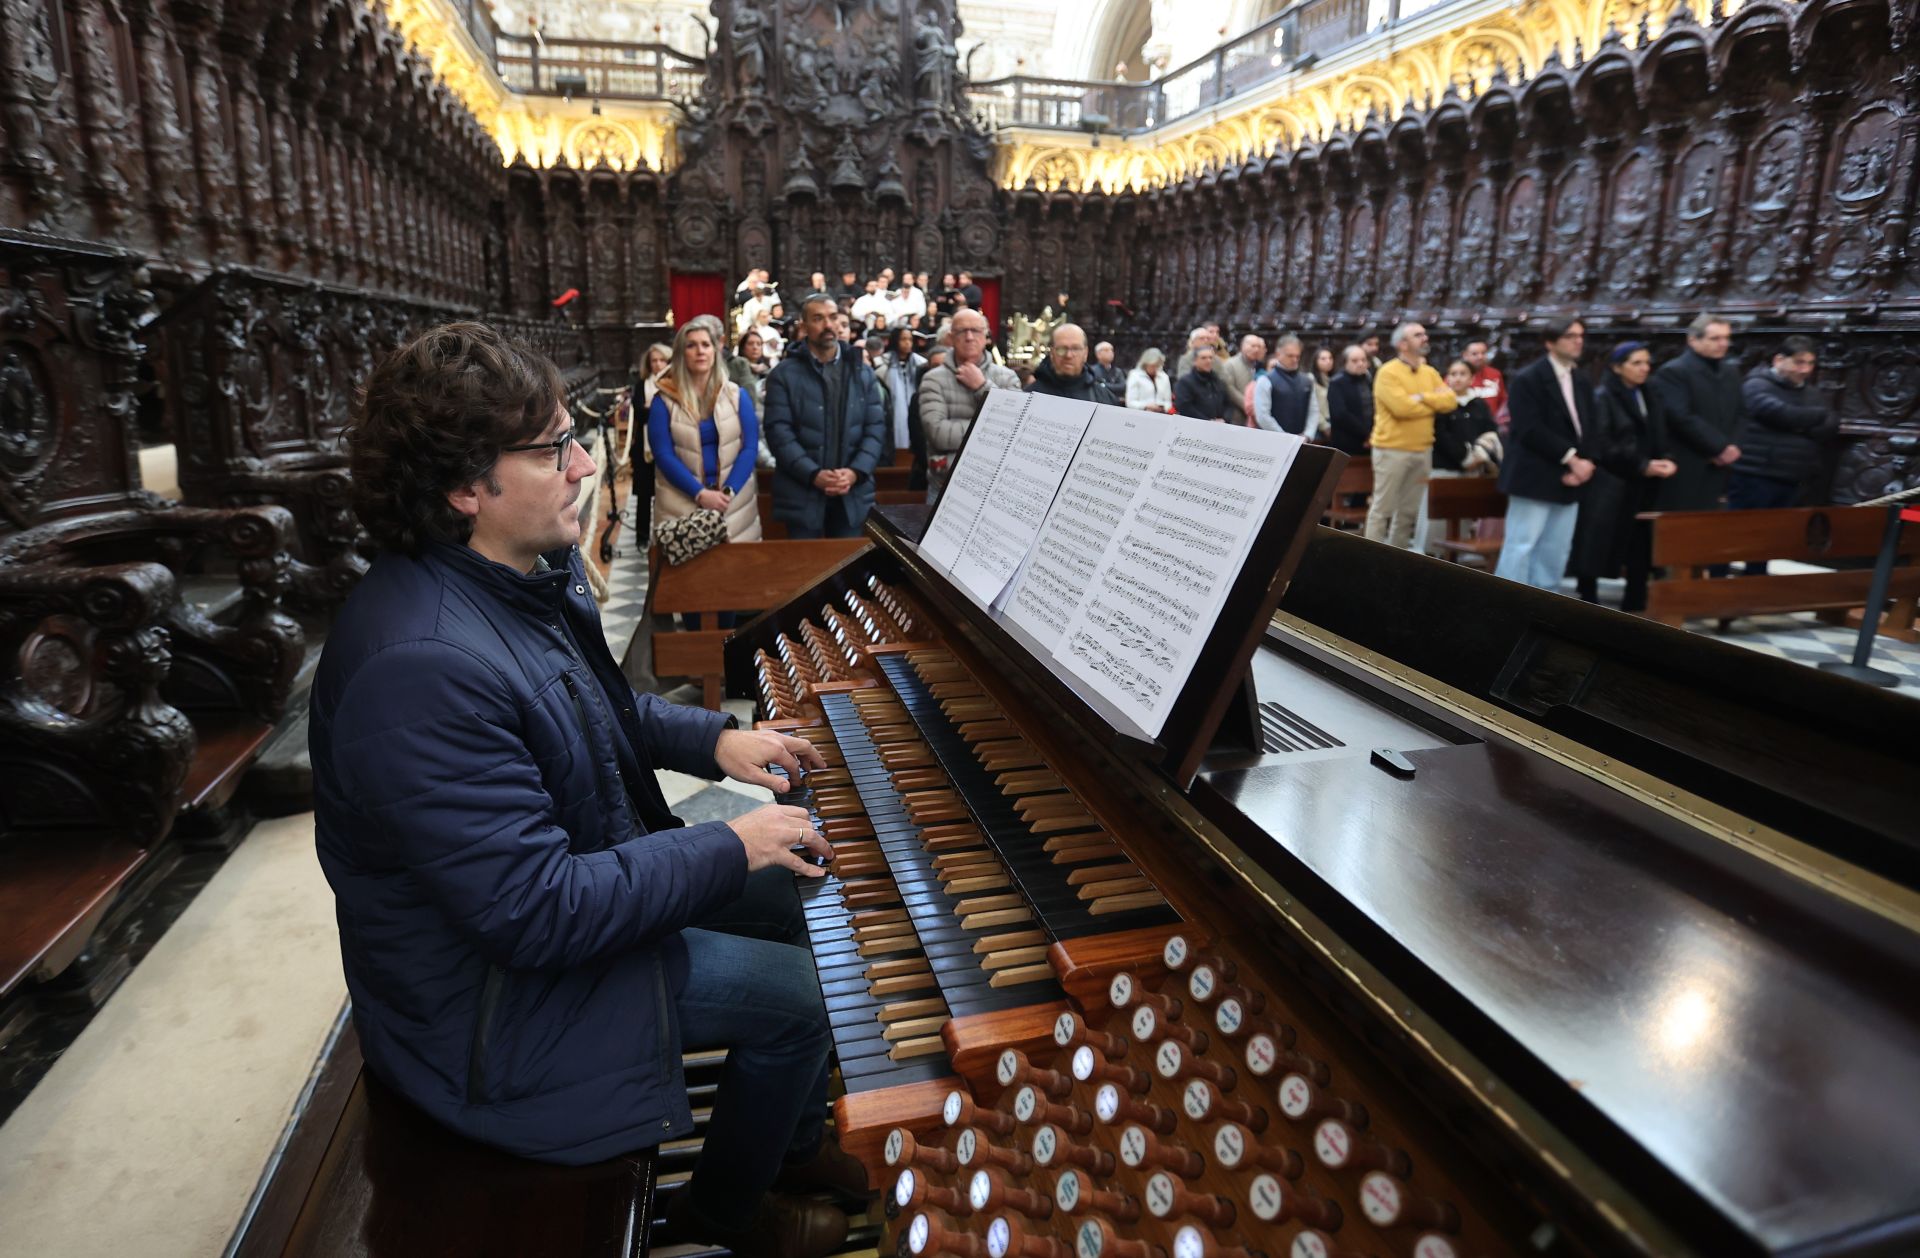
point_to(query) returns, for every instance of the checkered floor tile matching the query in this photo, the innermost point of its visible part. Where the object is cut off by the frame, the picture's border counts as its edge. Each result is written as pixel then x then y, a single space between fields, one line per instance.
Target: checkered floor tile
pixel 1800 637
pixel 620 614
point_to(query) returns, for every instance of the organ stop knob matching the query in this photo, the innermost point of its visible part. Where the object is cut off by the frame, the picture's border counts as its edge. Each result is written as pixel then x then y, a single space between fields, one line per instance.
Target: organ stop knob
pixel 1197 1242
pixel 1113 1106
pixel 1140 1148
pixel 1234 1147
pixel 1074 1193
pixel 1006 1240
pixel 925 1236
pixel 1274 1201
pixel 990 1190
pixel 1303 1100
pixel 1070 1030
pixel 1090 1065
pixel 1203 1103
pixel 1030 1106
pixel 1387 1203
pixel 1341 1147
pixel 901 1149
pixel 1097 1239
pixel 1168 1198
pixel 912 1190
pixel 1014 1068
pixel 973 1149
pixel 960 1110
pixel 1053 1147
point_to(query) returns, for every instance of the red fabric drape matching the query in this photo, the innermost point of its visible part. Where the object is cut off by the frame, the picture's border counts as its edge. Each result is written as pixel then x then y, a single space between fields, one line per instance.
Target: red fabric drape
pixel 695 294
pixel 990 305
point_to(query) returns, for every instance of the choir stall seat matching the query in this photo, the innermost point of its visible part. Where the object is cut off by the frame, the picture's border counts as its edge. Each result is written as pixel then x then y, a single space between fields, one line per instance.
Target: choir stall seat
pixel 367 1175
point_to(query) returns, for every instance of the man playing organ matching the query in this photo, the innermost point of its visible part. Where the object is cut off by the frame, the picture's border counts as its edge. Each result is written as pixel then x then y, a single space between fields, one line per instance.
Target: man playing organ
pixel 530 938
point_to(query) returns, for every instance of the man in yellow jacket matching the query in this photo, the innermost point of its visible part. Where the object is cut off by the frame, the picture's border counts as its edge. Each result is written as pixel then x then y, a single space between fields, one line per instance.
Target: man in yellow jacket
pixel 1407 394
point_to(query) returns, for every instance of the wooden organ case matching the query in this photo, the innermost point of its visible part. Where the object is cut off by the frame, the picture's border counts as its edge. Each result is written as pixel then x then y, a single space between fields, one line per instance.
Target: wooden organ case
pixel 1481 922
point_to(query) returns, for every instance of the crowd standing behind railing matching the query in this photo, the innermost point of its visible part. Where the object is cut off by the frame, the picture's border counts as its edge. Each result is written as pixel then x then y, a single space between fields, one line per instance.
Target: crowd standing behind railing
pixel 1579 447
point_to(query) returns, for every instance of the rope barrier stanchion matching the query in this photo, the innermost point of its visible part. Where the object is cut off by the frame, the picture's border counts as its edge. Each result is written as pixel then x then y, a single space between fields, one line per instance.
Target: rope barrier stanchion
pixel 1899 514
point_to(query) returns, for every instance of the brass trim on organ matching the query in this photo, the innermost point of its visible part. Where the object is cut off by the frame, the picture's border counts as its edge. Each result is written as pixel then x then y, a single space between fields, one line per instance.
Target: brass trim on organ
pixel 1820 869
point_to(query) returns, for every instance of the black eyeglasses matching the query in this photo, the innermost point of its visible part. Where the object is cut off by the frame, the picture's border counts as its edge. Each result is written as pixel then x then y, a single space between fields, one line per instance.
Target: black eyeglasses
pixel 559 446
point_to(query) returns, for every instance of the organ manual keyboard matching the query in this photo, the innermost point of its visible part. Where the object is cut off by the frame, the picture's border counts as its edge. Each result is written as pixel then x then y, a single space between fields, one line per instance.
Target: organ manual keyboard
pixel 1478 922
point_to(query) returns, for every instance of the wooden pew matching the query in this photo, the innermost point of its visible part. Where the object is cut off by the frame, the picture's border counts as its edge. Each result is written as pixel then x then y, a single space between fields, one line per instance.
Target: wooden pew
pixel 747 577
pixel 889 486
pixel 1687 543
pixel 1356 479
pixel 367 1175
pixel 52 898
pixel 1456 500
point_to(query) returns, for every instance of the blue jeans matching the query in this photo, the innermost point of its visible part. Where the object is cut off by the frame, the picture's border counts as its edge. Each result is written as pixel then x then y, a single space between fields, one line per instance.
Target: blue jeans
pixel 751 989
pixel 1539 539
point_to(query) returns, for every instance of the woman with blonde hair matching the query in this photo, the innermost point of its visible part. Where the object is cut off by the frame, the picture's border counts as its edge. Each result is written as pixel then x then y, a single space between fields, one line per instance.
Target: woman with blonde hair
pixel 705 436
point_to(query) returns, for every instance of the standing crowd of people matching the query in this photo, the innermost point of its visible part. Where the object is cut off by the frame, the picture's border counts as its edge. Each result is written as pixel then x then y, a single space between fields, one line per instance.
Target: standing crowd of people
pixel 868 369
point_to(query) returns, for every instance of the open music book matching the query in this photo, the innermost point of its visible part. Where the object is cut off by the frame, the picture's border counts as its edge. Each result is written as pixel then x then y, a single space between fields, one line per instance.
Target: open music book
pixel 1109 537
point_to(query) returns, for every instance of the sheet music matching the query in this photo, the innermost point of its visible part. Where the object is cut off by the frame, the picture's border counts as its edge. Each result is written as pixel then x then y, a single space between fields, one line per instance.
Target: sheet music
pixel 1119 449
pixel 1159 583
pixel 992 509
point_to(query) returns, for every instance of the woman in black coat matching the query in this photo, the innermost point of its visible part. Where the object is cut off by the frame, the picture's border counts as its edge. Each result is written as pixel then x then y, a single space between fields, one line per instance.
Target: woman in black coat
pixel 1350 403
pixel 1630 461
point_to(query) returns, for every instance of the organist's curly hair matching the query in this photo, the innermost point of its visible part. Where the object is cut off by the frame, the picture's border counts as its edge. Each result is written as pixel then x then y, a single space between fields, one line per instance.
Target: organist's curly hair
pixel 432 417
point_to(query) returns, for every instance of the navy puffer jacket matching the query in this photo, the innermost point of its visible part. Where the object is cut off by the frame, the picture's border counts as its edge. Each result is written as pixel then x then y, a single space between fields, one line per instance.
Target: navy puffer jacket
pixel 508 880
pixel 805 438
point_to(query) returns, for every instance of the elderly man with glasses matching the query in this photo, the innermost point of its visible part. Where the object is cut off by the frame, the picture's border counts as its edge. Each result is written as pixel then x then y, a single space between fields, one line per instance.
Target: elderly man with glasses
pixel 530 937
pixel 951 396
pixel 1064 372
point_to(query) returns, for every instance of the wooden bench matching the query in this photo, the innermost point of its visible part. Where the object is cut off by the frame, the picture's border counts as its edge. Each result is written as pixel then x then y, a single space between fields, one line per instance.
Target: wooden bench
pixel 365 1174
pixel 890 485
pixel 1356 480
pixel 1687 543
pixel 747 577
pixel 1456 500
pixel 53 896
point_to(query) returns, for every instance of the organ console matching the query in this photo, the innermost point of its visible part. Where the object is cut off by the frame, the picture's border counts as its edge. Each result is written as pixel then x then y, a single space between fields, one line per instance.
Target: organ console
pixel 1615 971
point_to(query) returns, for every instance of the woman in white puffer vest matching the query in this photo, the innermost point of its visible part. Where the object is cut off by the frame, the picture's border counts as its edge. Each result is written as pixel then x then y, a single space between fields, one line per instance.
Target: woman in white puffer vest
pixel 705 437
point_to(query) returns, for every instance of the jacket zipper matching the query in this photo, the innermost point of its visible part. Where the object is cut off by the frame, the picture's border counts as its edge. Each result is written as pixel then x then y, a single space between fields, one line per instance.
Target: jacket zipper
pixel 483 1031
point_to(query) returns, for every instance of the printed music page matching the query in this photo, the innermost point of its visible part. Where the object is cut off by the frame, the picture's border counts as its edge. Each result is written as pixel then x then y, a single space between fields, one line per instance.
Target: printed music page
pixel 1119 448
pixel 1164 573
pixel 1016 454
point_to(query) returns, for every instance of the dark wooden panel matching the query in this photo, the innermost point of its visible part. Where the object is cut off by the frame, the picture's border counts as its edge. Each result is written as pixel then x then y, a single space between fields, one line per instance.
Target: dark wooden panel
pixel 52 894
pixel 1754 1038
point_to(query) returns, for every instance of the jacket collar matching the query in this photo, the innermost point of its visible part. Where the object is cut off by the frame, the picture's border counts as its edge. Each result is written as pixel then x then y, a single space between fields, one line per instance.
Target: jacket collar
pixel 535 592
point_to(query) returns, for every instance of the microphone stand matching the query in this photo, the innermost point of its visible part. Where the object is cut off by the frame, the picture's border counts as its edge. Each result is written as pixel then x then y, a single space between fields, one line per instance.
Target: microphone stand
pixel 1858 668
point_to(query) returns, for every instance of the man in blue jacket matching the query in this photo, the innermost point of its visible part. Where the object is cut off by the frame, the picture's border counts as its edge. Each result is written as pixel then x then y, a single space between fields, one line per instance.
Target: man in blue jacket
pixel 530 937
pixel 826 426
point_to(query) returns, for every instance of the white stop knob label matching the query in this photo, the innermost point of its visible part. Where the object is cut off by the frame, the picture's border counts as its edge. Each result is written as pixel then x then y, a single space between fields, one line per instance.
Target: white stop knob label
pixel 1229 1146
pixel 1197 1099
pixel 1089 1242
pixel 1144 1023
pixel 1201 983
pixel 896 1144
pixel 1380 1199
pixel 1167 1059
pixel 903 1188
pixel 1187 1243
pixel 1083 1062
pixel 1331 1144
pixel 1120 990
pixel 1160 1194
pixel 918 1234
pixel 1025 1104
pixel 1309 1245
pixel 966 1147
pixel 1063 1028
pixel 1175 953
pixel 951 1110
pixel 1133 1146
pixel 1066 1191
pixel 1432 1246
pixel 1045 1145
pixel 1296 1096
pixel 1262 1053
pixel 1266 1198
pixel 1229 1017
pixel 999 1238
pixel 1009 1067
pixel 979 1189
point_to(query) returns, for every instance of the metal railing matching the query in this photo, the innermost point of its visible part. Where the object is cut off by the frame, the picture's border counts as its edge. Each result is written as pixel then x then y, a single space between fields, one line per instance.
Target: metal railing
pixel 600 68
pixel 1311 28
